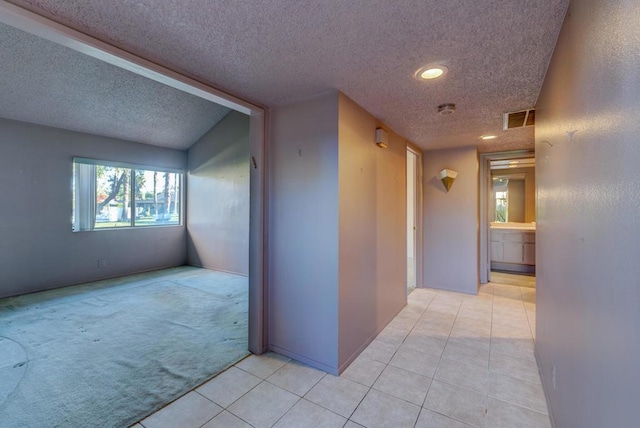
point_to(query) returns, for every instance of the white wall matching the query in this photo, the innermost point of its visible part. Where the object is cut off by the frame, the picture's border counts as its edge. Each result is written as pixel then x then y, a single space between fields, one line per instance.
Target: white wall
pixel 38 250
pixel 588 231
pixel 373 229
pixel 218 197
pixel 303 231
pixel 451 221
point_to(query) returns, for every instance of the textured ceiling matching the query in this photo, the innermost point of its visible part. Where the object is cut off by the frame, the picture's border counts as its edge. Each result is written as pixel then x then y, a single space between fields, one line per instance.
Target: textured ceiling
pixel 47 84
pixel 276 52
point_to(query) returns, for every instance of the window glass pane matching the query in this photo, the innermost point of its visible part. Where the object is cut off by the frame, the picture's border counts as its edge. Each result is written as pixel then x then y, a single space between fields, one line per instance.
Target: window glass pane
pixel 113 197
pixel 158 196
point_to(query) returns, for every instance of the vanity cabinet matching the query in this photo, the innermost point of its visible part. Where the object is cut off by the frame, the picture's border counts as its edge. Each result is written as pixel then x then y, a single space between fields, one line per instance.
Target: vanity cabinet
pixel 513 249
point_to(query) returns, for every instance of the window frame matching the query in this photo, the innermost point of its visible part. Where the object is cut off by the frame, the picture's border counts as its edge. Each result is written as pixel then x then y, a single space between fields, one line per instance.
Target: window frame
pixel 88 208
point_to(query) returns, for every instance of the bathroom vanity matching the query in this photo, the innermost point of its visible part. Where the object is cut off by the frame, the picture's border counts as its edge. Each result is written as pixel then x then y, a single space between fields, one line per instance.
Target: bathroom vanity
pixel 513 247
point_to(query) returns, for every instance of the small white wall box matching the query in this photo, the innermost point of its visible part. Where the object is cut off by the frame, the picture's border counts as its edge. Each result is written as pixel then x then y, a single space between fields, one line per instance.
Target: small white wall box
pixel 382 138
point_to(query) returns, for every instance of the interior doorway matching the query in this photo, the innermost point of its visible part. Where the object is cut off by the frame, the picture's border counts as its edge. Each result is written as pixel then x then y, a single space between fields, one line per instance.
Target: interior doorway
pixel 414 216
pixel 507 216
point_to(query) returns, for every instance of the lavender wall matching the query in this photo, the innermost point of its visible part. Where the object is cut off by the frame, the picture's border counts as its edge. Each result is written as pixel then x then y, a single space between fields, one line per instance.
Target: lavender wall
pixel 218 197
pixel 337 237
pixel 451 221
pixel 303 231
pixel 38 250
pixel 373 230
pixel 588 232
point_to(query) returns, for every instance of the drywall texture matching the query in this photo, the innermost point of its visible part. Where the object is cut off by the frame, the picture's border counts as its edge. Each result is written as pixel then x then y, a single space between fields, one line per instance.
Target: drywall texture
pixel 38 250
pixel 337 239
pixel 49 84
pixel 303 231
pixel 373 229
pixel 588 239
pixel 451 221
pixel 218 197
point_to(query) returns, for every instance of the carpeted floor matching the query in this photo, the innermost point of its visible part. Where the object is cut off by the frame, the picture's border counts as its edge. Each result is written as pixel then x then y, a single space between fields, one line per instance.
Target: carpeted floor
pixel 109 353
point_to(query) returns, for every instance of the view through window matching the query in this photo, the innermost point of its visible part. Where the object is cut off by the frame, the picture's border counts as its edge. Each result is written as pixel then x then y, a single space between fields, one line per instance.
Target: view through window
pixel 109 195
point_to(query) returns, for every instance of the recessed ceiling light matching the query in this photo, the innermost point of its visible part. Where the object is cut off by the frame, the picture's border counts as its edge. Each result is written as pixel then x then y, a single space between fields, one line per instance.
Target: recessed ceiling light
pixel 488 137
pixel 431 72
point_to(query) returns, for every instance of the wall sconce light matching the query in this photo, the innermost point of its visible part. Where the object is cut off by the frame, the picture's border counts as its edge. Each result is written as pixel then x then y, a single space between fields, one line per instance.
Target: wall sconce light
pixel 382 138
pixel 447 176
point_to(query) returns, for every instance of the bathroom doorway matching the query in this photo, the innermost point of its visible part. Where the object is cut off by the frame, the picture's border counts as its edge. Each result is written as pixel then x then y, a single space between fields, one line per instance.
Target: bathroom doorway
pixel 508 219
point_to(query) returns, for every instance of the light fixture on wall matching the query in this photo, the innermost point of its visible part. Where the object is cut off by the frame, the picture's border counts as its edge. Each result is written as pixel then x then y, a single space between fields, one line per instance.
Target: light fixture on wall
pixel 382 138
pixel 447 176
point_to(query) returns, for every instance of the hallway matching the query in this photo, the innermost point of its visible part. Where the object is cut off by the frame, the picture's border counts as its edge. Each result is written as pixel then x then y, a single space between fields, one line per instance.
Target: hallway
pixel 446 360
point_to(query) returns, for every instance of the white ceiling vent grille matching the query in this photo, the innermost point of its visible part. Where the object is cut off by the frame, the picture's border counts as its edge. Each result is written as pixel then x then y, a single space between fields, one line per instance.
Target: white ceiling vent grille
pixel 519 119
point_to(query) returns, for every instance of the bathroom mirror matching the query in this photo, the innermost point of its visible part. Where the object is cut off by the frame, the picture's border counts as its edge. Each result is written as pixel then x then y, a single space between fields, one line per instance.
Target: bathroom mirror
pixel 514 195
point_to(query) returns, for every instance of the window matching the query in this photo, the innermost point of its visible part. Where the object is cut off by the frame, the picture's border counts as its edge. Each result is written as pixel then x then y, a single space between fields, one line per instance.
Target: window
pixel 111 195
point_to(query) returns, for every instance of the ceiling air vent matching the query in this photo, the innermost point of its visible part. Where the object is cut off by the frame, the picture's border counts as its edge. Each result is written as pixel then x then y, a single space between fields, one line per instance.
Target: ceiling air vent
pixel 519 119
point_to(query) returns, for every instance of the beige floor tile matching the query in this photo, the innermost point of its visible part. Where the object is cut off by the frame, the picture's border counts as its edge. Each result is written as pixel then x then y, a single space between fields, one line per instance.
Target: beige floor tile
pixel 427 328
pixel 466 354
pixel 507 415
pixel 425 343
pixel 431 419
pixel 412 311
pixel 305 414
pixel 226 420
pixel 392 335
pixel 466 336
pixel 403 384
pixel 351 424
pixel 380 351
pixel 519 368
pixel 467 376
pixel 475 314
pixel 458 403
pixel 228 386
pixel 382 410
pixel 296 377
pixel 521 348
pixel 191 410
pixel 263 365
pixel 415 361
pixel 263 405
pixel 340 395
pixel 438 318
pixel 136 426
pixel 363 370
pixel 403 323
pixel 518 392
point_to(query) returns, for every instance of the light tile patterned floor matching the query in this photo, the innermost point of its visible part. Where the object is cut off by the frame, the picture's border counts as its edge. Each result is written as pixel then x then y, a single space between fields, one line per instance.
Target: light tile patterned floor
pixel 447 360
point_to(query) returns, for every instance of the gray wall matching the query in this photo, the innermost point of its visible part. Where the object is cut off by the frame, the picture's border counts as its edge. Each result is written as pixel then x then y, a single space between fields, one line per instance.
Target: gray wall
pixel 303 231
pixel 373 230
pixel 38 250
pixel 218 197
pixel 588 235
pixel 451 221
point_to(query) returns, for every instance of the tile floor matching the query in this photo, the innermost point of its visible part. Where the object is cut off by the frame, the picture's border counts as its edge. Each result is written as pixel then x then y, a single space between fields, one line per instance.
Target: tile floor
pixel 446 360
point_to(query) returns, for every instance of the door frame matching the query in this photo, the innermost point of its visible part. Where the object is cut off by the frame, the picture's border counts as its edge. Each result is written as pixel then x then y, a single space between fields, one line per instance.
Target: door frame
pixel 50 30
pixel 486 210
pixel 418 215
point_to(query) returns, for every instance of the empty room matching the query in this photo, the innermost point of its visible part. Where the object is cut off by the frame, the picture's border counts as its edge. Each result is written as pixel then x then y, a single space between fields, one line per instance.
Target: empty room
pixel 337 214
